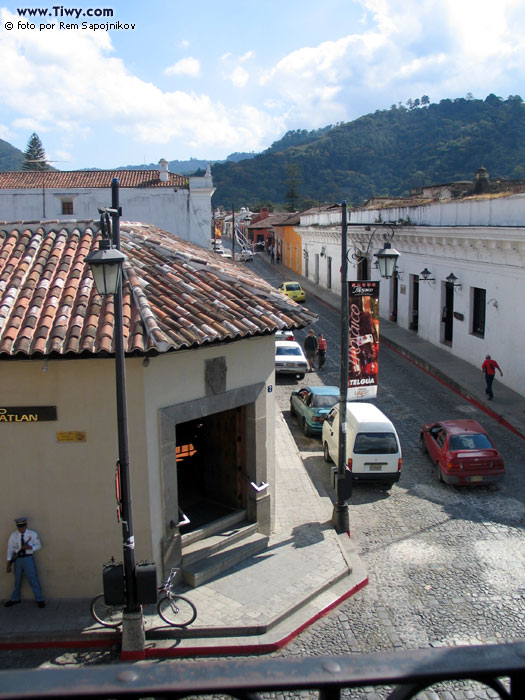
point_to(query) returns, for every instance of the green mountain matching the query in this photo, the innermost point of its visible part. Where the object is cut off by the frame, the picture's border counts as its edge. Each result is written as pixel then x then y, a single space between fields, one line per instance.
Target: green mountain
pixel 11 158
pixel 385 153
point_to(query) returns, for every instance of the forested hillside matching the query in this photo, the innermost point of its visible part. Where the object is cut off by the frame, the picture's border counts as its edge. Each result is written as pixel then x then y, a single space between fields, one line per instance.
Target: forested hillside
pixel 10 157
pixel 385 153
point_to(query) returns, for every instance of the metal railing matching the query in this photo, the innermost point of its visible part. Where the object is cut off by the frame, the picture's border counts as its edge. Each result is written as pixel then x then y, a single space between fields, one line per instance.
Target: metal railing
pixel 396 675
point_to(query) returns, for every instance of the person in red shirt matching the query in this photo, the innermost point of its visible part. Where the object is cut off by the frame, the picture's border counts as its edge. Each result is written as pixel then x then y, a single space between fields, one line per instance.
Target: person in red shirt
pixel 321 350
pixel 489 367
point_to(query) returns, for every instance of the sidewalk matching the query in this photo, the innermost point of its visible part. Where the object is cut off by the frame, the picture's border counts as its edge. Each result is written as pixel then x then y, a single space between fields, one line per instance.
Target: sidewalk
pixel 466 379
pixel 257 607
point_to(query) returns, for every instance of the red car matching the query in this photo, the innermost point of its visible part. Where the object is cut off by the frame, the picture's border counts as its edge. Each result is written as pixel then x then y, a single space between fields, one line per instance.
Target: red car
pixel 462 451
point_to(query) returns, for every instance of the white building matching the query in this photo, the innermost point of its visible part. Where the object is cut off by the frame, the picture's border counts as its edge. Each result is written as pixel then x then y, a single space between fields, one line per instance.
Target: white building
pixel 174 203
pixel 471 250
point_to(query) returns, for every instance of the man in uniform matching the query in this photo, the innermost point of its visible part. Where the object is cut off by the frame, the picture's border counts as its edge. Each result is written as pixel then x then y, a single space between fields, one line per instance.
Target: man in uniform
pixel 21 546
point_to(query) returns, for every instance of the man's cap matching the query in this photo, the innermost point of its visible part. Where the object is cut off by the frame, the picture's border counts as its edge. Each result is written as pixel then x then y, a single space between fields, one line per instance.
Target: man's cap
pixel 20 521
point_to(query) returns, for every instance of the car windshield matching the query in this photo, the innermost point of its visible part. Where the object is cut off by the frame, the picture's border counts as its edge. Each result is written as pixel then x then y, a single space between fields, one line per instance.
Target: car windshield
pixel 324 401
pixel 476 441
pixel 293 287
pixel 375 443
pixel 288 351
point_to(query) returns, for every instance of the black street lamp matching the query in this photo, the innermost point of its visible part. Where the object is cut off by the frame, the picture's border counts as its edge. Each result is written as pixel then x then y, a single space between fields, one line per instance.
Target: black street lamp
pixel 386 258
pixel 106 266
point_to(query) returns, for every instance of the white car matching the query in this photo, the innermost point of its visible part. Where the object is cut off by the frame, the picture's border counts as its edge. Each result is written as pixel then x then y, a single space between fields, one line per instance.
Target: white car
pixel 284 335
pixel 290 359
pixel 223 253
pixel 245 255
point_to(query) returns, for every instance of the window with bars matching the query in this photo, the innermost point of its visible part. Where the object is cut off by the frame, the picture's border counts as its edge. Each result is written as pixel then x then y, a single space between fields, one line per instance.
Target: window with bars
pixel 67 207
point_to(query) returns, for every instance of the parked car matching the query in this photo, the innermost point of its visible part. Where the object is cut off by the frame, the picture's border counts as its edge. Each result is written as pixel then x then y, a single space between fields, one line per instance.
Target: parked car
pixel 223 253
pixel 245 255
pixel 373 452
pixel 284 335
pixel 462 452
pixel 311 405
pixel 293 290
pixel 289 358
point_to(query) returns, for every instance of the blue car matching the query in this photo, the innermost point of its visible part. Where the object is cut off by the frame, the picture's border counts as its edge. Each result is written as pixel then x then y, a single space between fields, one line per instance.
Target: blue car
pixel 311 405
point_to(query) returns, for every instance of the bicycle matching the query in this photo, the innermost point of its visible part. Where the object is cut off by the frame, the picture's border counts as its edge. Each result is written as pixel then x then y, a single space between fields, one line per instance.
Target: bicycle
pixel 174 609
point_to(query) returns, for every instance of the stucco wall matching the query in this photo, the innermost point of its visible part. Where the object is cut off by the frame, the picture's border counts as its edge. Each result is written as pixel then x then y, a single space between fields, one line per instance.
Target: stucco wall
pixel 67 489
pixel 184 212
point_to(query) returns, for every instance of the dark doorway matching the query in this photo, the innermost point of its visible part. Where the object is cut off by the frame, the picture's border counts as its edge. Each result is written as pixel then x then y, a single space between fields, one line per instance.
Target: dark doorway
pixel 414 302
pixel 210 467
pixel 394 297
pixel 448 313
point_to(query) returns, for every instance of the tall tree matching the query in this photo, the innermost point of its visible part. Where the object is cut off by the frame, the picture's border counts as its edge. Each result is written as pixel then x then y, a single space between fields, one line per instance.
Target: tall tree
pixel 34 155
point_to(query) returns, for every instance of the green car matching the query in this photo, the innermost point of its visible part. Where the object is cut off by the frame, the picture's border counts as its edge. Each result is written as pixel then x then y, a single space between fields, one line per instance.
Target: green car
pixel 311 405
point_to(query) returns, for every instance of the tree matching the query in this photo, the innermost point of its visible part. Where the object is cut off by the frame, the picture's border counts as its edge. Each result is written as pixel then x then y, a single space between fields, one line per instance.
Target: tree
pixel 34 155
pixel 293 180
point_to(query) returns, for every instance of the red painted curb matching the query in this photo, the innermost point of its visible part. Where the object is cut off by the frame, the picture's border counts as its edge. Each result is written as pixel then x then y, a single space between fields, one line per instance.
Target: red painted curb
pixel 467 397
pixel 228 650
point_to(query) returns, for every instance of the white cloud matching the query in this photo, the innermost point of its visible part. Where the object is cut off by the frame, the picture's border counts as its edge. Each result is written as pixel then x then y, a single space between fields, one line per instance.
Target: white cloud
pixel 184 44
pixel 186 66
pixel 246 56
pixel 239 76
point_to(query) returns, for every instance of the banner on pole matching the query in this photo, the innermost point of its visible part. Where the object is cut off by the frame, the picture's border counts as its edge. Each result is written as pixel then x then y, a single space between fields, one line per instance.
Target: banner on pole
pixel 363 340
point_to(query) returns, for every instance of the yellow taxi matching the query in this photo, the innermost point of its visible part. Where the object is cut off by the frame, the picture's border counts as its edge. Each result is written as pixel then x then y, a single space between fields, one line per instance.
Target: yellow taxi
pixel 293 290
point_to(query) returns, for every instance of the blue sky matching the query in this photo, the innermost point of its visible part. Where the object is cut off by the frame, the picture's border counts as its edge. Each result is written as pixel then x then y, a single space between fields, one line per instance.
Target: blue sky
pixel 204 79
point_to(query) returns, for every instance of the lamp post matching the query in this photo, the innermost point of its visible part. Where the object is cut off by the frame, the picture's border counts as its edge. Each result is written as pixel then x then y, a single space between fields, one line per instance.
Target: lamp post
pixel 387 258
pixel 106 266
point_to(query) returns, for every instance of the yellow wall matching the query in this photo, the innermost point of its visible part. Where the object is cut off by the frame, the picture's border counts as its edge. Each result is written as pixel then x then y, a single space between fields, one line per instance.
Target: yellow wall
pixel 292 256
pixel 67 489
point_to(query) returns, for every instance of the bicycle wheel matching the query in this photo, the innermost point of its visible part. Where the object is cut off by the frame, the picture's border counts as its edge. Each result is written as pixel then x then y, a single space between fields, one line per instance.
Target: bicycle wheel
pixel 176 610
pixel 106 615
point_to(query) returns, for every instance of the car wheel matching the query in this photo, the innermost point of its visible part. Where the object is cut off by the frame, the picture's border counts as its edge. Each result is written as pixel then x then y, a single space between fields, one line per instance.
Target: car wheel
pixel 306 428
pixel 292 410
pixel 300 376
pixel 439 473
pixel 326 453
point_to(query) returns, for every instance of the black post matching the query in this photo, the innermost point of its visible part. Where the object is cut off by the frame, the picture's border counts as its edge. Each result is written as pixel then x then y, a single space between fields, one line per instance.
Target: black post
pixel 340 518
pixel 122 420
pixel 233 231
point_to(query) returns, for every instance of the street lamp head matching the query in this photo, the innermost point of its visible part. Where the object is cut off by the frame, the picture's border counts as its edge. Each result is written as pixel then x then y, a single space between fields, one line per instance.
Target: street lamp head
pixel 387 258
pixel 106 268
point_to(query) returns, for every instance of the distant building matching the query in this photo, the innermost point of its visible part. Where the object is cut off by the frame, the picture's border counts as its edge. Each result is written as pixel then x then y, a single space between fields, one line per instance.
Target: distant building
pixel 174 203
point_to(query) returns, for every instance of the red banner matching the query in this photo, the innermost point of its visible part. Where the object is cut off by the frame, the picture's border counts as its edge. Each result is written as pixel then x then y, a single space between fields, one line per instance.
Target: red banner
pixel 363 340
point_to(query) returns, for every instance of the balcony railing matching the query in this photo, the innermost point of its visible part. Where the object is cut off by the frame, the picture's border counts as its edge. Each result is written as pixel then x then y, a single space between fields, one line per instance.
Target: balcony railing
pixel 397 675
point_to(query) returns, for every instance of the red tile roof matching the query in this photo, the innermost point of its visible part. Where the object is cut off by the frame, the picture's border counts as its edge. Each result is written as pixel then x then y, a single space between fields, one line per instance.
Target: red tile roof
pixel 87 178
pixel 176 295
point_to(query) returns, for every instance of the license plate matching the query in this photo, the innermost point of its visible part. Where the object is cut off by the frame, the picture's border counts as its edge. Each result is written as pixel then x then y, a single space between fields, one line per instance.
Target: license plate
pixel 376 467
pixel 476 478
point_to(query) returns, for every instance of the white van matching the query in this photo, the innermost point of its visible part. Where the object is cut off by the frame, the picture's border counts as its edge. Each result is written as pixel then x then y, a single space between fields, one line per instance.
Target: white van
pixel 373 452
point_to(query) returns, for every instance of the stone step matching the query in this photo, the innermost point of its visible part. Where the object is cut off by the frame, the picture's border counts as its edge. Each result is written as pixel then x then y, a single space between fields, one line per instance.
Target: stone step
pixel 200 549
pixel 201 571
pixel 215 526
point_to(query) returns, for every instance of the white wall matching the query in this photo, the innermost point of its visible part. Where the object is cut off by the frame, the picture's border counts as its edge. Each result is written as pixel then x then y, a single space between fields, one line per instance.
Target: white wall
pixel 184 212
pixel 479 240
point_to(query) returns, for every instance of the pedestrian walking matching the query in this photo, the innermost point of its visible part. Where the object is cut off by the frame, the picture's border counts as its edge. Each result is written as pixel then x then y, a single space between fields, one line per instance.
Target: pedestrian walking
pixel 321 350
pixel 489 367
pixel 21 546
pixel 272 254
pixel 310 349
